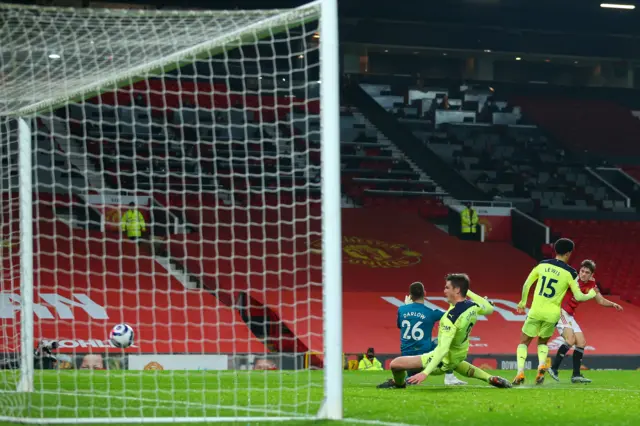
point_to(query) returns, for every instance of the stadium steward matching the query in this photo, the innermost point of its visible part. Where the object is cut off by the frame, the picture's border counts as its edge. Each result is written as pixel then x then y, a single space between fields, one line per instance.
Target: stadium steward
pixel 469 223
pixel 133 222
pixel 369 362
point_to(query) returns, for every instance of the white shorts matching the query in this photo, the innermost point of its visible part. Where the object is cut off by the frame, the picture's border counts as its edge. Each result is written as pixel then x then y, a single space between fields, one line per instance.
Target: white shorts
pixel 567 321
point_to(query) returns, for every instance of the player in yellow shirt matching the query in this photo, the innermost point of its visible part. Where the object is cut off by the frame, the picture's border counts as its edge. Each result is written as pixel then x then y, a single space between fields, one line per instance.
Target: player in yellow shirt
pixel 453 340
pixel 554 277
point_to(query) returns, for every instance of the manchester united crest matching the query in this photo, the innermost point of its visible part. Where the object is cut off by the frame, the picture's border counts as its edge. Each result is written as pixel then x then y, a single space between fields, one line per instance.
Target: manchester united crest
pixel 374 253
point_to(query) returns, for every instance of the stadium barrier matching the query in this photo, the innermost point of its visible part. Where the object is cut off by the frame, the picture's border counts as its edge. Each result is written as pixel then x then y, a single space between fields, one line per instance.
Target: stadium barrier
pixel 160 362
pixel 288 361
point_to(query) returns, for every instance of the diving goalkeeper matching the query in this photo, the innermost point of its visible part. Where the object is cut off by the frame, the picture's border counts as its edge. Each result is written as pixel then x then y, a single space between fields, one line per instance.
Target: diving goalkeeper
pixel 554 277
pixel 453 340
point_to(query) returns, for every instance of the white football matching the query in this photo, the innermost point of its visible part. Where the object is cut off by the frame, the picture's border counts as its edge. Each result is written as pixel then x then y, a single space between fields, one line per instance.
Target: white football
pixel 121 336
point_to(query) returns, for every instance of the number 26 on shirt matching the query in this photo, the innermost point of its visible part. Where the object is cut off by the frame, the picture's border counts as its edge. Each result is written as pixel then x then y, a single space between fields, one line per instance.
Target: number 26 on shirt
pixel 414 332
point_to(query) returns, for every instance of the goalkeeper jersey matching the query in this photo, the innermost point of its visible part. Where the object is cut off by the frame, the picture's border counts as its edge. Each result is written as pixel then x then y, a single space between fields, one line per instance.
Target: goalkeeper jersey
pixel 554 278
pixel 455 328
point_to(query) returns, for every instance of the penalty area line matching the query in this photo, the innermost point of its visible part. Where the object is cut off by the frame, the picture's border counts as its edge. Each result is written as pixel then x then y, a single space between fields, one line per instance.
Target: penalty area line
pixel 163 402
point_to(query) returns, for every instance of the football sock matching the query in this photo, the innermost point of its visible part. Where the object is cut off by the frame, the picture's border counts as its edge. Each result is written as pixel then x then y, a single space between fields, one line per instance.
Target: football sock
pixel 543 352
pixel 578 353
pixel 562 351
pixel 521 355
pixel 399 376
pixel 470 371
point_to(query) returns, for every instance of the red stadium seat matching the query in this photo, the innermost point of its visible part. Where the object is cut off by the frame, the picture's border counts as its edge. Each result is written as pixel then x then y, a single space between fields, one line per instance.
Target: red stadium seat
pixel 606 242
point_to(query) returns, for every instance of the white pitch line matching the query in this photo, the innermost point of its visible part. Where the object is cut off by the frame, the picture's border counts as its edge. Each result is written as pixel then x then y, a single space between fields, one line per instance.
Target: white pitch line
pixel 162 402
pixel 585 387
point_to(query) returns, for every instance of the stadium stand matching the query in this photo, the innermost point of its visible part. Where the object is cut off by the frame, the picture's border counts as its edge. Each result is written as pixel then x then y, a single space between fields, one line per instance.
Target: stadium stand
pixel 612 244
pixel 601 127
pixel 495 146
pixel 376 172
pixel 218 174
pixel 483 140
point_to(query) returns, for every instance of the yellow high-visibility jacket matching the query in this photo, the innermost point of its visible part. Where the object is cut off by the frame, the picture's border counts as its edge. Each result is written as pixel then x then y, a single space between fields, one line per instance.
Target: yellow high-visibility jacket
pixel 133 222
pixel 373 365
pixel 469 221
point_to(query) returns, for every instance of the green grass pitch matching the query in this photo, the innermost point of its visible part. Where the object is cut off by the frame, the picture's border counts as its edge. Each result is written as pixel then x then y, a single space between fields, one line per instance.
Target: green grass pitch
pixel 612 398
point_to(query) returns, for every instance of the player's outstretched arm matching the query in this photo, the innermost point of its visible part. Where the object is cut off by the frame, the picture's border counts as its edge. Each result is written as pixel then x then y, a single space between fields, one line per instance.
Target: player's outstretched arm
pixel 578 294
pixel 445 336
pixel 486 308
pixel 607 303
pixel 532 278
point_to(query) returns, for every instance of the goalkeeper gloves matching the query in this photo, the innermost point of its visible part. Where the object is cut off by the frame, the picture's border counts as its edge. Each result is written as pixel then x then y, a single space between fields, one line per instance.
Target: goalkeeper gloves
pixel 407 300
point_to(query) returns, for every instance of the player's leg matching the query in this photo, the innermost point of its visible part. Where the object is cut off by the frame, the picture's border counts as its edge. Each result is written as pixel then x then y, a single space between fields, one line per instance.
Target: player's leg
pixel 477 373
pixel 456 360
pixel 544 334
pixel 578 353
pixel 448 366
pixel 566 331
pixel 529 331
pixel 399 367
pixel 450 379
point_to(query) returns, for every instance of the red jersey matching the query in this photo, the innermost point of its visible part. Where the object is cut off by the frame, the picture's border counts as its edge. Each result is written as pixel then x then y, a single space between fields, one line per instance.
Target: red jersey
pixel 569 303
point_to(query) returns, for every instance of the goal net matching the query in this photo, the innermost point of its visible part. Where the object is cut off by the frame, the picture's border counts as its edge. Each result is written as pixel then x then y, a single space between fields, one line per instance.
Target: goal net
pixel 168 170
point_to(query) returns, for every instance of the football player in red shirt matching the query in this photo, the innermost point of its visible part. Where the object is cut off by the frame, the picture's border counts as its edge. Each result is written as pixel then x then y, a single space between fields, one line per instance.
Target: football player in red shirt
pixel 568 326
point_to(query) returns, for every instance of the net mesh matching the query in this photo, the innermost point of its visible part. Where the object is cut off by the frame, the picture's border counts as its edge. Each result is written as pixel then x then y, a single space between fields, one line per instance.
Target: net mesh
pixel 176 188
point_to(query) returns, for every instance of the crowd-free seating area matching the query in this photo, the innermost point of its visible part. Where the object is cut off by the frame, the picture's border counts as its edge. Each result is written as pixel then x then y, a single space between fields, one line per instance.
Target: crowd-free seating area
pixel 471 104
pixel 612 245
pixel 506 159
pixel 592 126
pixel 520 162
pixel 376 173
pixel 193 148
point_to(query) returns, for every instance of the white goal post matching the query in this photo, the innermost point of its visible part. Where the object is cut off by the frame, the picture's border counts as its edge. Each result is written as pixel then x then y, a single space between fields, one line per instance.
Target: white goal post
pixel 175 171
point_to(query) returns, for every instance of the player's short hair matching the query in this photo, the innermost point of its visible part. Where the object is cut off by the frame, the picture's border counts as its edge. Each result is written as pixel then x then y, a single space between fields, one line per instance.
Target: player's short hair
pixel 416 291
pixel 460 281
pixel 564 246
pixel 589 264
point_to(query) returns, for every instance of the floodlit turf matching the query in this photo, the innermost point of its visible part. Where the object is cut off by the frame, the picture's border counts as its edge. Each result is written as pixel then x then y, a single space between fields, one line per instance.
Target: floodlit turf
pixel 613 397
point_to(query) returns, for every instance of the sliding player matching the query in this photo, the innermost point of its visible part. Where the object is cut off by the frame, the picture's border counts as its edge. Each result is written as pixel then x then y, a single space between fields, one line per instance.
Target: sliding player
pixel 570 330
pixel 416 322
pixel 453 340
pixel 554 278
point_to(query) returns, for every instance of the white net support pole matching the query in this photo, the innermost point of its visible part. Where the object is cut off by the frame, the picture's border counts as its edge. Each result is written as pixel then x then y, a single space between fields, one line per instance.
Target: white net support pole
pixel 331 209
pixel 26 256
